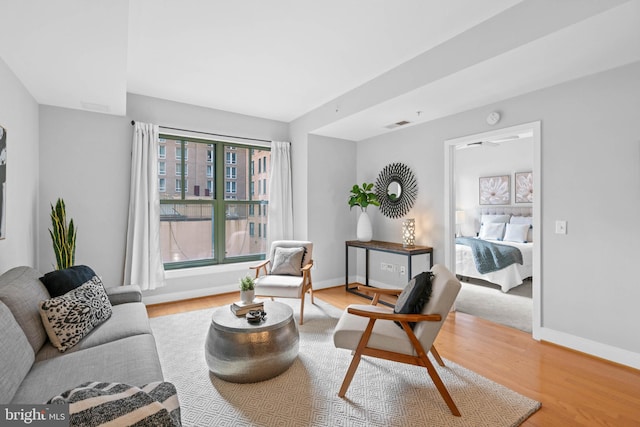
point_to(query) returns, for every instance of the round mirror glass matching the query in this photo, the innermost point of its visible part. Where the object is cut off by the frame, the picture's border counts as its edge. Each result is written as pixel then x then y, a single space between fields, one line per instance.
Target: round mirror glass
pixel 394 190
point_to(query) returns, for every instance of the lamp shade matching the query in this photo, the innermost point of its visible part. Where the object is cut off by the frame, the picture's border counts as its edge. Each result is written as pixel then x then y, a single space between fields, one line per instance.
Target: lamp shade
pixel 408 232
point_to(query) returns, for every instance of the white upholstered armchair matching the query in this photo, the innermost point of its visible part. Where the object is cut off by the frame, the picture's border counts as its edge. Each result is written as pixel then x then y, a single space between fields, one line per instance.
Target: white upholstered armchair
pixel 369 330
pixel 287 272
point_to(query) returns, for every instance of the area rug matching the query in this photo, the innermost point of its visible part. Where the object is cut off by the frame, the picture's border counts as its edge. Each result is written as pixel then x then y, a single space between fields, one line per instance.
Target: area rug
pixel 382 393
pixel 486 300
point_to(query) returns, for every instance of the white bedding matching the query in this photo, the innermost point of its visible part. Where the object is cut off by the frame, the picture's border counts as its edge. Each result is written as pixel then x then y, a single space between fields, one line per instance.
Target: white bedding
pixel 507 278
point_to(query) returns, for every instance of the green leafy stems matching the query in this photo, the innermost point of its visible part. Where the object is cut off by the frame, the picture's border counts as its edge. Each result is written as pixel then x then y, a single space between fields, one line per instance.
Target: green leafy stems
pixel 246 283
pixel 63 236
pixel 363 196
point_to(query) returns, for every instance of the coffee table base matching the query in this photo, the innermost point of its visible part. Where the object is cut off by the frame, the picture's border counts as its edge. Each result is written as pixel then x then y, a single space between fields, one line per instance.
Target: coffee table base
pixel 252 354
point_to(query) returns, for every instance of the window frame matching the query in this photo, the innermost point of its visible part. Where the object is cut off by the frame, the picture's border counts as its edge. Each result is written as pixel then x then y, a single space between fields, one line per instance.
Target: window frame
pixel 220 150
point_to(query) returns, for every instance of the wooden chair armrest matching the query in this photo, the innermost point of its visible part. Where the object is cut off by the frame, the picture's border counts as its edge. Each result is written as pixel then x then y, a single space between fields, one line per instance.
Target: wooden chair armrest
pixel 378 291
pixel 376 314
pixel 308 266
pixel 260 266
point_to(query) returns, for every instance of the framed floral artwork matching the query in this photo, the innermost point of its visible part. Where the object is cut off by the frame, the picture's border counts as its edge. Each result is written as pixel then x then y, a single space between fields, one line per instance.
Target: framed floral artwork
pixel 495 190
pixel 524 187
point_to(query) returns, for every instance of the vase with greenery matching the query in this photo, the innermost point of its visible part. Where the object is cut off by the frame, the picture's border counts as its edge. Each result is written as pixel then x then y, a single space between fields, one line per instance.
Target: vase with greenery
pixel 247 289
pixel 363 197
pixel 63 236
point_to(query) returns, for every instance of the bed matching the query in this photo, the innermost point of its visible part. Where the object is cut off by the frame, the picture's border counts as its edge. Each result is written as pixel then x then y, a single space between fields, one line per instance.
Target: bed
pixel 514 274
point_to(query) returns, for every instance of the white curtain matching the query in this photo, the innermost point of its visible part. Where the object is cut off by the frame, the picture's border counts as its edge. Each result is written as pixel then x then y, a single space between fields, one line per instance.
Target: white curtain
pixel 280 225
pixel 143 262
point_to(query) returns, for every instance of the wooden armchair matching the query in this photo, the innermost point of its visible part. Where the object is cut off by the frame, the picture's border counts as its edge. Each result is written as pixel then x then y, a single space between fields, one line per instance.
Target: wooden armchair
pixel 287 272
pixel 369 330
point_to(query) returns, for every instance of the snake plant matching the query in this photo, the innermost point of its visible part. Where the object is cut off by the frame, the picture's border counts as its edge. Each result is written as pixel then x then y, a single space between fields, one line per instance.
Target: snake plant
pixel 63 236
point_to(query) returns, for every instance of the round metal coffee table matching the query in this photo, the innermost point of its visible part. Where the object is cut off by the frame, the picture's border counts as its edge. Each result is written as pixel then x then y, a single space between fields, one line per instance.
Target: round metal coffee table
pixel 241 352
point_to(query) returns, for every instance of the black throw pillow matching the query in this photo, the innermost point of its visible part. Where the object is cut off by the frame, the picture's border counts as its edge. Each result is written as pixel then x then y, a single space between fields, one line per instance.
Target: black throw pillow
pixel 59 282
pixel 414 296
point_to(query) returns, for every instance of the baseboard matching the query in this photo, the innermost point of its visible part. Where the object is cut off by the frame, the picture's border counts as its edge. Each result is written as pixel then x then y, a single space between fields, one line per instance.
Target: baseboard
pixel 593 348
pixel 190 294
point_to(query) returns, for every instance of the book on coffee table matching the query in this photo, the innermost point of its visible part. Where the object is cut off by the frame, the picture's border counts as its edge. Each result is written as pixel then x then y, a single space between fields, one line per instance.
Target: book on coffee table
pixel 240 308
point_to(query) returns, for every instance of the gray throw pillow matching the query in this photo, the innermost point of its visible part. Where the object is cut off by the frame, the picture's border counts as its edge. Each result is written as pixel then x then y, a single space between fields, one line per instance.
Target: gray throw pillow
pixel 287 261
pixel 414 296
pixel 69 317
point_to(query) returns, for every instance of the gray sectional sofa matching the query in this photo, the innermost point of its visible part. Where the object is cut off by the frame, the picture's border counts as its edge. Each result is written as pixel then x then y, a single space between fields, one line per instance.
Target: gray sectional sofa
pixel 32 370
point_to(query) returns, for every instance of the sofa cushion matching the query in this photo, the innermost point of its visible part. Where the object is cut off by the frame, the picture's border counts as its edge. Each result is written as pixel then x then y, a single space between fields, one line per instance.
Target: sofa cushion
pixel 126 320
pixel 59 282
pixel 16 355
pixel 22 291
pixel 69 317
pixel 132 360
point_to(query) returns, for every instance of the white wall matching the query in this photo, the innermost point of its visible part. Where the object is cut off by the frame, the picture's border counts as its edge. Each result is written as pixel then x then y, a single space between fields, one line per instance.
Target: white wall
pixel 19 116
pixel 85 159
pixel 473 163
pixel 331 174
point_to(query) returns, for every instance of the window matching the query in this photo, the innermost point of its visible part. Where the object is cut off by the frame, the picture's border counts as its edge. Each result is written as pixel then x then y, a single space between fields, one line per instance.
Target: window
pixel 179 169
pixel 205 209
pixel 231 172
pixel 162 152
pixel 231 158
pixel 162 168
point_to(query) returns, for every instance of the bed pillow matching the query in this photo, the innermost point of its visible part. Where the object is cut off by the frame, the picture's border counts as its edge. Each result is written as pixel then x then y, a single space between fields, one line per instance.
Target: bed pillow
pixel 287 261
pixel 492 231
pixel 59 282
pixel 487 219
pixel 524 220
pixel 516 233
pixel 69 317
pixel 414 296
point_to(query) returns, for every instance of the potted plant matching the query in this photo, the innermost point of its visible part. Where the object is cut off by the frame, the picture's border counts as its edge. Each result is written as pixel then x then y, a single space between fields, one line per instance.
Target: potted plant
pixel 363 197
pixel 63 236
pixel 247 289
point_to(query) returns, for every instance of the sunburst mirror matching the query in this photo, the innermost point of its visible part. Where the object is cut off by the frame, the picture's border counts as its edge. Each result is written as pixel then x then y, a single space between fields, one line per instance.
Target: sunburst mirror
pixel 396 188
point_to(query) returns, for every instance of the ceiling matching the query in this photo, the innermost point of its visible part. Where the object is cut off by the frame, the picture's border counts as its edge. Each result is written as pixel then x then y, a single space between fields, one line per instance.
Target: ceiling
pixel 281 59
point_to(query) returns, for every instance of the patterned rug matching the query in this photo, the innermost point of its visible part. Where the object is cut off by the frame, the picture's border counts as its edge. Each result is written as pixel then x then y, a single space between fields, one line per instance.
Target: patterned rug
pixel 382 393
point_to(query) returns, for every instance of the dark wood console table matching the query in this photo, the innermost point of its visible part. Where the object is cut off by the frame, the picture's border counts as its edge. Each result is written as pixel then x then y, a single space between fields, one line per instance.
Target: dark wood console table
pixel 389 247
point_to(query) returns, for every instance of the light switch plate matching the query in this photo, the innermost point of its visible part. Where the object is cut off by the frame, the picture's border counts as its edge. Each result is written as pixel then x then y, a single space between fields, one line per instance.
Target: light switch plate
pixel 561 227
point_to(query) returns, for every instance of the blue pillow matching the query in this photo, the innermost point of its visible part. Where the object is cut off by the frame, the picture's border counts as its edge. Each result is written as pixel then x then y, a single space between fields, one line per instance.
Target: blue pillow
pixel 414 296
pixel 59 282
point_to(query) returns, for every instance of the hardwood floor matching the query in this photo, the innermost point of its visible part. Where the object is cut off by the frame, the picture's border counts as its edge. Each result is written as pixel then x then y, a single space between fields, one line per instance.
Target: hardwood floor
pixel 575 389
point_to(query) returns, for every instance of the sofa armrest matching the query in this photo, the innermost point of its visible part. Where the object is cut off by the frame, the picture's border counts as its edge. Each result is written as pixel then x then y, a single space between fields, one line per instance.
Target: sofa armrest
pixel 123 294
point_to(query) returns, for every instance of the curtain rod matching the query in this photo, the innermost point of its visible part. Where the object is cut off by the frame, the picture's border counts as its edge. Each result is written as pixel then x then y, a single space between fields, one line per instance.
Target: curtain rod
pixel 133 122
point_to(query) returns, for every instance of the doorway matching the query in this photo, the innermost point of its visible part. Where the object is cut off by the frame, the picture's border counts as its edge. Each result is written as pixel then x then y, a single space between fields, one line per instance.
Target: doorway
pixel 453 146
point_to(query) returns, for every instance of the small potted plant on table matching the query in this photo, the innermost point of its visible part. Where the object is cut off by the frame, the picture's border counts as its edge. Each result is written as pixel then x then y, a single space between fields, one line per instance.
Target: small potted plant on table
pixel 247 290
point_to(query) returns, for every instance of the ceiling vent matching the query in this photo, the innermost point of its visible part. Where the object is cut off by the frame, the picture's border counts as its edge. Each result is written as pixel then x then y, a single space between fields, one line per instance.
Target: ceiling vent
pixel 397 124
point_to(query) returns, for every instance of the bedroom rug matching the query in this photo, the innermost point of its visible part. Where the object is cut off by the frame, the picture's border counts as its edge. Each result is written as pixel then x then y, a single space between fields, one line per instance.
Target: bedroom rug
pixel 382 393
pixel 486 300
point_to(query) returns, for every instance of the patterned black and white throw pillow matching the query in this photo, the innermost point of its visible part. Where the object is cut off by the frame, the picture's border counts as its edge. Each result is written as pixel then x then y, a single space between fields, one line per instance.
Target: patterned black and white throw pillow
pixel 69 317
